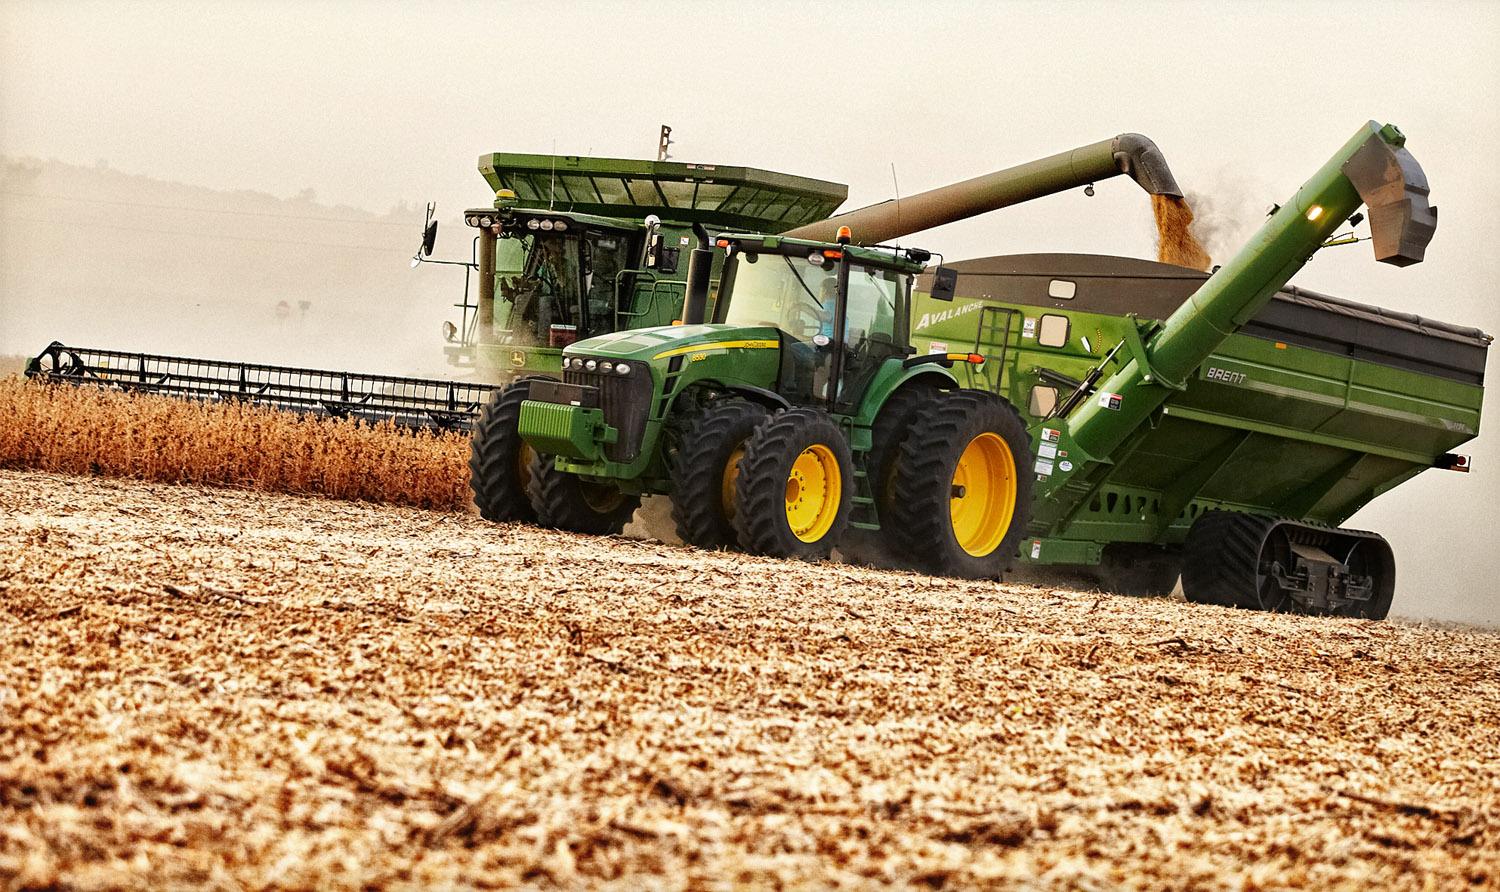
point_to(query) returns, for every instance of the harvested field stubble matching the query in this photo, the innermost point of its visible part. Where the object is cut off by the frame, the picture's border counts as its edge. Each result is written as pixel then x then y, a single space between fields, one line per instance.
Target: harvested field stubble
pixel 232 689
pixel 87 430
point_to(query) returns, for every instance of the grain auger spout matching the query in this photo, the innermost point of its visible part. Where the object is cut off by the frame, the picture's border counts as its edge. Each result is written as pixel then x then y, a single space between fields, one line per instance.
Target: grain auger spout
pixel 1129 154
pixel 1373 168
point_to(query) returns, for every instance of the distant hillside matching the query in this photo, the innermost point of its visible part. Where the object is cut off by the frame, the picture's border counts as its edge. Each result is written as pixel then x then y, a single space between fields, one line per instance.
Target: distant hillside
pixel 98 257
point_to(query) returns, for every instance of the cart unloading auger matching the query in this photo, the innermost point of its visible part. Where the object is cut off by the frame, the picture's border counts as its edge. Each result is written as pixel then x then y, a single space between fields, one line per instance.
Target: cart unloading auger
pixel 1234 558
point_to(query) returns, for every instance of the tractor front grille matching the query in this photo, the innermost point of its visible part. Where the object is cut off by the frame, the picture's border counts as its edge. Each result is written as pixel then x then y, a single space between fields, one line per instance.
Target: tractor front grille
pixel 626 403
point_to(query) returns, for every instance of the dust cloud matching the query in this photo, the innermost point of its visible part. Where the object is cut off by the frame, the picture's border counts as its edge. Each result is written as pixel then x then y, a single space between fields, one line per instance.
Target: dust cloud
pixel 95 257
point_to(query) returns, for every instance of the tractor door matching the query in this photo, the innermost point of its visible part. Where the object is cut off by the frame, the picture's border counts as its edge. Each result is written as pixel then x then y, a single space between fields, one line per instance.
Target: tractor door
pixel 874 331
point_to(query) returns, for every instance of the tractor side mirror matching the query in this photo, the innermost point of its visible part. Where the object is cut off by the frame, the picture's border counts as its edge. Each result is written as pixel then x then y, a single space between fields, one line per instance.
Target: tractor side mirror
pixel 944 283
pixel 429 238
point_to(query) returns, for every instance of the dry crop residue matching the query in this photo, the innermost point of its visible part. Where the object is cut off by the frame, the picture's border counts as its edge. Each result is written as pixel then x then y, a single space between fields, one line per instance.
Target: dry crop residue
pixel 232 689
pixel 151 437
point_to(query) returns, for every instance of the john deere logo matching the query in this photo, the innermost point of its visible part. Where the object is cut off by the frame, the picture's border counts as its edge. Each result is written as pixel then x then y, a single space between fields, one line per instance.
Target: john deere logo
pixel 517 357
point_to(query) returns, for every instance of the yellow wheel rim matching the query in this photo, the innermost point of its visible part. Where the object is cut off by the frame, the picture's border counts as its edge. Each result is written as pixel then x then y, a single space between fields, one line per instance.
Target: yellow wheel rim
pixel 729 483
pixel 813 492
pixel 524 455
pixel 984 495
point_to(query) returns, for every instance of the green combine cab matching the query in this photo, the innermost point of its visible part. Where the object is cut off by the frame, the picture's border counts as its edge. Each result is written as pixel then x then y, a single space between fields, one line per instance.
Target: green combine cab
pixel 575 247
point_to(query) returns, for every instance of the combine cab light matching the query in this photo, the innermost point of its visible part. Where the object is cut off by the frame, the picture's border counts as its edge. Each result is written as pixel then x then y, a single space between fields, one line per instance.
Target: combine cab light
pixel 533 223
pixel 1315 213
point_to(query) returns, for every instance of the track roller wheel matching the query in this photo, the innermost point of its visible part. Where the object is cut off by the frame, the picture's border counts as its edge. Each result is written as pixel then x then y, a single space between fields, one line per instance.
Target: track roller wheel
pixel 705 472
pixel 795 486
pixel 963 485
pixel 499 460
pixel 566 501
pixel 1373 558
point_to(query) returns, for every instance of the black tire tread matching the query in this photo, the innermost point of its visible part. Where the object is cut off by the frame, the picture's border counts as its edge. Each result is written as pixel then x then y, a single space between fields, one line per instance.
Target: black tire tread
pixel 698 467
pixel 927 459
pixel 559 503
pixel 760 509
pixel 499 493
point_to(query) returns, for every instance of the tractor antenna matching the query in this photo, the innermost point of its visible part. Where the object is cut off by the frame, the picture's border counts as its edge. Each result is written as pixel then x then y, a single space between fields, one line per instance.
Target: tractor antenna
pixel 552 189
pixel 897 187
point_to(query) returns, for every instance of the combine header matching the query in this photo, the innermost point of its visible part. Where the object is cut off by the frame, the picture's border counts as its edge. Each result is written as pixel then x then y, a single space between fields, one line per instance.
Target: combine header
pixel 409 402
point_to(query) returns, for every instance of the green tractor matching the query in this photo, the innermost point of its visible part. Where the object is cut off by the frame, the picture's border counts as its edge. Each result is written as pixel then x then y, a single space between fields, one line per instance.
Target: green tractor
pixel 798 412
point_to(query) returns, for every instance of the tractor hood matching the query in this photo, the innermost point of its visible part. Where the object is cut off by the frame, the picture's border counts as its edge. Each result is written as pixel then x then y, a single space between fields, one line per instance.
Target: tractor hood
pixel 666 341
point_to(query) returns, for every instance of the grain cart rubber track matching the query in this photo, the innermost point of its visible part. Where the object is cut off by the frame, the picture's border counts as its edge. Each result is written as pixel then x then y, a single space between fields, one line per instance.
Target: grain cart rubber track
pixel 499 460
pixel 1256 562
pixel 795 486
pixel 407 402
pixel 705 471
pixel 962 484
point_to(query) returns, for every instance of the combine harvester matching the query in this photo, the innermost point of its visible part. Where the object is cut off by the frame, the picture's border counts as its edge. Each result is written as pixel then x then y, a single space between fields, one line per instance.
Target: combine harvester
pixel 1231 436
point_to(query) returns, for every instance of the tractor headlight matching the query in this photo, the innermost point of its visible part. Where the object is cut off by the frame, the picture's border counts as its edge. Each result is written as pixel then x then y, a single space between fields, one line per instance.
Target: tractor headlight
pixel 591 364
pixel 622 368
pixel 533 223
pixel 606 367
pixel 567 363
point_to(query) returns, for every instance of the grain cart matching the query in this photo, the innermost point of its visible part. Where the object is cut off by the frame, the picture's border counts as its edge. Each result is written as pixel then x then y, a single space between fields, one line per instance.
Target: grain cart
pixel 1224 426
pixel 533 191
pixel 776 427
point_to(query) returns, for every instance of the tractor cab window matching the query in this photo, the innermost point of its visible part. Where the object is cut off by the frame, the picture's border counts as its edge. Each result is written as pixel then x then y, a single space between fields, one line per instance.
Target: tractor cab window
pixel 797 295
pixel 605 255
pixel 538 289
pixel 877 307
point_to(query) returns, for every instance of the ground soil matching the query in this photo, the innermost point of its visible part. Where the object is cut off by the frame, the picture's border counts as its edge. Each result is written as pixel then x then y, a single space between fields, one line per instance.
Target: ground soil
pixel 211 688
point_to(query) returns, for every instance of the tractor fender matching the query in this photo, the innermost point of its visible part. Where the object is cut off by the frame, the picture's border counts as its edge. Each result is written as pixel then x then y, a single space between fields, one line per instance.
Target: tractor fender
pixel 768 398
pixel 893 377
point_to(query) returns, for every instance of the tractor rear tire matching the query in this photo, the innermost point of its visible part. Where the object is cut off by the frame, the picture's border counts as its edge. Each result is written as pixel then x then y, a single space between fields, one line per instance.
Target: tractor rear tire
pixel 795 487
pixel 567 501
pixel 705 472
pixel 499 460
pixel 963 485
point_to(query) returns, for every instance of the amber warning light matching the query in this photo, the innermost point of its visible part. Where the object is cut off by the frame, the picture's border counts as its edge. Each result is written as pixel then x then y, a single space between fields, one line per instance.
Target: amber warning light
pixel 1452 462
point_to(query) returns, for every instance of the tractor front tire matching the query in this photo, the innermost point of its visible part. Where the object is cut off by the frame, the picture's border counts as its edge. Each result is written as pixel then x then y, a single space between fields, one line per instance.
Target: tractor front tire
pixel 795 487
pixel 567 501
pixel 963 485
pixel 499 460
pixel 705 472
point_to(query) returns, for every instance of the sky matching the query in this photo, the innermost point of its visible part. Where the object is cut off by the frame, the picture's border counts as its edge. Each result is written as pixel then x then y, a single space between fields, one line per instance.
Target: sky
pixel 374 104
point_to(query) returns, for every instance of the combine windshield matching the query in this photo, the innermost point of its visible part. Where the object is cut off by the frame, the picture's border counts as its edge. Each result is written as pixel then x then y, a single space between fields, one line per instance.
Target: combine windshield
pixel 552 288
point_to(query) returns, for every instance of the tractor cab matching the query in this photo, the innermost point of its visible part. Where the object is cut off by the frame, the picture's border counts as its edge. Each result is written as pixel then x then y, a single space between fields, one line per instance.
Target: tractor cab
pixel 841 311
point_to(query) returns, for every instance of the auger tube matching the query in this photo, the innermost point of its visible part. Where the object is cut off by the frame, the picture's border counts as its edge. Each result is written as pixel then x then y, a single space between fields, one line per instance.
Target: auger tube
pixel 1373 168
pixel 1130 154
